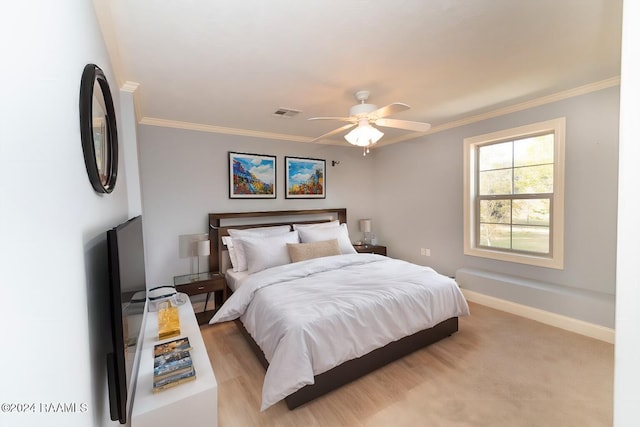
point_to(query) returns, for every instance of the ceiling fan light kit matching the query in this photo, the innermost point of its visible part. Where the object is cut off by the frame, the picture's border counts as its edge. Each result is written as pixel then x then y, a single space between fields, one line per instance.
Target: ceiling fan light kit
pixel 364 135
pixel 364 115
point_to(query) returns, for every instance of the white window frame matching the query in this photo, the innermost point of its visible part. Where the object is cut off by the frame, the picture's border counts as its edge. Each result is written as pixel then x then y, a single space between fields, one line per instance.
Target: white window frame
pixel 556 259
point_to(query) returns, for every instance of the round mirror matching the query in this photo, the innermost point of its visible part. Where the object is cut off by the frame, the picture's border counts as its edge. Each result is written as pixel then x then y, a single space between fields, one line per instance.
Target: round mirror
pixel 98 129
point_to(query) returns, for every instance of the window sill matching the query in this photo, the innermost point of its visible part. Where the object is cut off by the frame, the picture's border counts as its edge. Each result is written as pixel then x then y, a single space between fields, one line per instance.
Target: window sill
pixel 538 261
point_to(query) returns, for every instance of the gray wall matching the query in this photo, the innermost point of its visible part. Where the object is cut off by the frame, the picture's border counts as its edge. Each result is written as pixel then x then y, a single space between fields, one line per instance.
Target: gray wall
pixel 425 178
pixel 184 177
pixel 412 191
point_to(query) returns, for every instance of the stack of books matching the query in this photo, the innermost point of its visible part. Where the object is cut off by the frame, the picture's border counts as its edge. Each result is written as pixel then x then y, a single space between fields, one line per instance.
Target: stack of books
pixel 172 364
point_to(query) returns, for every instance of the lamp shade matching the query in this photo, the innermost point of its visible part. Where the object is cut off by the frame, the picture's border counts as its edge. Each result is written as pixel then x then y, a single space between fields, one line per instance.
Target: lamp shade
pixel 365 225
pixel 364 134
pixel 204 248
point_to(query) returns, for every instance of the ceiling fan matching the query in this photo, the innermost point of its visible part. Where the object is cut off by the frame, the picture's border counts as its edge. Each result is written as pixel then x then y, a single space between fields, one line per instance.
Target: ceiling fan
pixel 363 115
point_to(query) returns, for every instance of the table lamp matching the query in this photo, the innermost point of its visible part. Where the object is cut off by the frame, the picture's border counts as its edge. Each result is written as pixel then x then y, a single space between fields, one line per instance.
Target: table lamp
pixel 365 228
pixel 203 249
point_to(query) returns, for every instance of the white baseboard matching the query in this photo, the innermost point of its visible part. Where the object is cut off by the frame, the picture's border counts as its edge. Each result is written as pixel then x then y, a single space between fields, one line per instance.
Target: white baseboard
pixel 567 323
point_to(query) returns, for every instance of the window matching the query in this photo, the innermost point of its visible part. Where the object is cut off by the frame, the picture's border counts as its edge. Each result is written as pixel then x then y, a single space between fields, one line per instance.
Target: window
pixel 514 194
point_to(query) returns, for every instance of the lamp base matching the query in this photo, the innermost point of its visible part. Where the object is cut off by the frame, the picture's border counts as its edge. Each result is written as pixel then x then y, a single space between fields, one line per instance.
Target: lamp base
pixel 194 278
pixel 366 238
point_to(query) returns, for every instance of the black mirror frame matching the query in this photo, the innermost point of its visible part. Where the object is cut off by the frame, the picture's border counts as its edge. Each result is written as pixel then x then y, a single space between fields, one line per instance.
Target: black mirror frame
pixel 91 74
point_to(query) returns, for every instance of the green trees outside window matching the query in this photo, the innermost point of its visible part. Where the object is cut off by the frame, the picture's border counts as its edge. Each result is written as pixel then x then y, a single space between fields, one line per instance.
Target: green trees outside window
pixel 515 194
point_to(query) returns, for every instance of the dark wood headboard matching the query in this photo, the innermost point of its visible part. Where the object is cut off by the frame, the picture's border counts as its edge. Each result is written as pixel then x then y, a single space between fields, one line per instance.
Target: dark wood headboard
pixel 217 229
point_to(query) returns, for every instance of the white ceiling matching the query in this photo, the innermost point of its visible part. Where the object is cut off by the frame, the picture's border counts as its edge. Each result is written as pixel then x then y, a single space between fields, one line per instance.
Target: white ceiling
pixel 227 65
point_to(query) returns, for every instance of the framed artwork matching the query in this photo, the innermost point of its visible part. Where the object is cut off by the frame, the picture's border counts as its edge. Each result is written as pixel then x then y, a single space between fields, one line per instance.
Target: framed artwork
pixel 252 176
pixel 304 178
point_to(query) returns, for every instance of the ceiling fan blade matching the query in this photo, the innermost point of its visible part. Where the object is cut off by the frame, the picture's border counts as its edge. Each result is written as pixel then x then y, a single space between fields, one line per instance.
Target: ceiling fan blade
pixel 342 119
pixel 390 109
pixel 403 124
pixel 333 132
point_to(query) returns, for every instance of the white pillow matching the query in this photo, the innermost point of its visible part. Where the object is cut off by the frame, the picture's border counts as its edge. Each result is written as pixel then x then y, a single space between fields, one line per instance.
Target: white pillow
pixel 227 241
pixel 308 235
pixel 259 231
pixel 267 252
pixel 233 257
pixel 240 263
pixel 326 224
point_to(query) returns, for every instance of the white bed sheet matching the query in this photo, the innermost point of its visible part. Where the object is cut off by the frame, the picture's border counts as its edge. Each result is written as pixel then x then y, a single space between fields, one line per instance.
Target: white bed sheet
pixel 309 317
pixel 235 278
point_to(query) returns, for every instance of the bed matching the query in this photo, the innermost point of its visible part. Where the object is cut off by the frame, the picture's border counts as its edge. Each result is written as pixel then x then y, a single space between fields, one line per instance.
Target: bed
pixel 328 319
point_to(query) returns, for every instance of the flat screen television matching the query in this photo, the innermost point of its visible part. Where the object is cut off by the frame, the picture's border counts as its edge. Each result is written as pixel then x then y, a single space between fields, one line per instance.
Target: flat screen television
pixel 127 295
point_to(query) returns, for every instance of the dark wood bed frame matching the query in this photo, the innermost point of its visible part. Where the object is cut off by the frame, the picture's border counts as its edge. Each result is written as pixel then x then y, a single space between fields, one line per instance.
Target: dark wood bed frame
pixel 347 371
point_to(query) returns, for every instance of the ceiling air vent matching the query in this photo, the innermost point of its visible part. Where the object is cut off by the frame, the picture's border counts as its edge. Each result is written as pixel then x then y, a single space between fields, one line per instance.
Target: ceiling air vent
pixel 286 112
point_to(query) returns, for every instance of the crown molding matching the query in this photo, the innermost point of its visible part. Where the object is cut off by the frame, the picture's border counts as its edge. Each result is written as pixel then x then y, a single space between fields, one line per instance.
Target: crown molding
pixel 220 129
pixel 581 90
pixel 133 89
pixel 559 96
pixel 129 86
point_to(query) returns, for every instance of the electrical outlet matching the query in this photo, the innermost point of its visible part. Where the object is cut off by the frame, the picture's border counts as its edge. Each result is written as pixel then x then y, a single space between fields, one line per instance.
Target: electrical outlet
pixel 422 251
pixel 425 252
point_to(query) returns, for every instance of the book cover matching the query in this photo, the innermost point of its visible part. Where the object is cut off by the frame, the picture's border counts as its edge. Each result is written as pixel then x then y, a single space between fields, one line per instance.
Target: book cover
pixel 179 344
pixel 174 373
pixel 173 367
pixel 174 380
pixel 169 357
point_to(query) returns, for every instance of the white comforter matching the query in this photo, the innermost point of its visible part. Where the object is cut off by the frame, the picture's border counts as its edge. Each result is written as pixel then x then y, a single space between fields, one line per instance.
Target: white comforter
pixel 311 316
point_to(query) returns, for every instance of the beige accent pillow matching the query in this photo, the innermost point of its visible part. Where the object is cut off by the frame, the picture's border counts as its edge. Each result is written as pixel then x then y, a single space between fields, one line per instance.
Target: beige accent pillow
pixel 303 251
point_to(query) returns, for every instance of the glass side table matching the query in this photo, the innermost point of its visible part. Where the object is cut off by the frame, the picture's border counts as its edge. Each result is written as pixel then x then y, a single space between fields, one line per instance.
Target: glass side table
pixel 203 283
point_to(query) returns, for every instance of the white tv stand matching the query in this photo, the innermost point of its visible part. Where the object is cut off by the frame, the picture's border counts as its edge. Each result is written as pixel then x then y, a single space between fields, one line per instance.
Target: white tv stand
pixel 195 402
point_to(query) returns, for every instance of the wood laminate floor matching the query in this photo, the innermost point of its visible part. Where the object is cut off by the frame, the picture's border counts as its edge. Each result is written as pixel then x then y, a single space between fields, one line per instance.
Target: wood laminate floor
pixel 497 370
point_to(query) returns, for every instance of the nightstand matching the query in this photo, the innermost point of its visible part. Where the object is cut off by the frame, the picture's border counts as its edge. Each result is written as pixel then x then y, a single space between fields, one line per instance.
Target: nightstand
pixel 203 283
pixel 371 249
